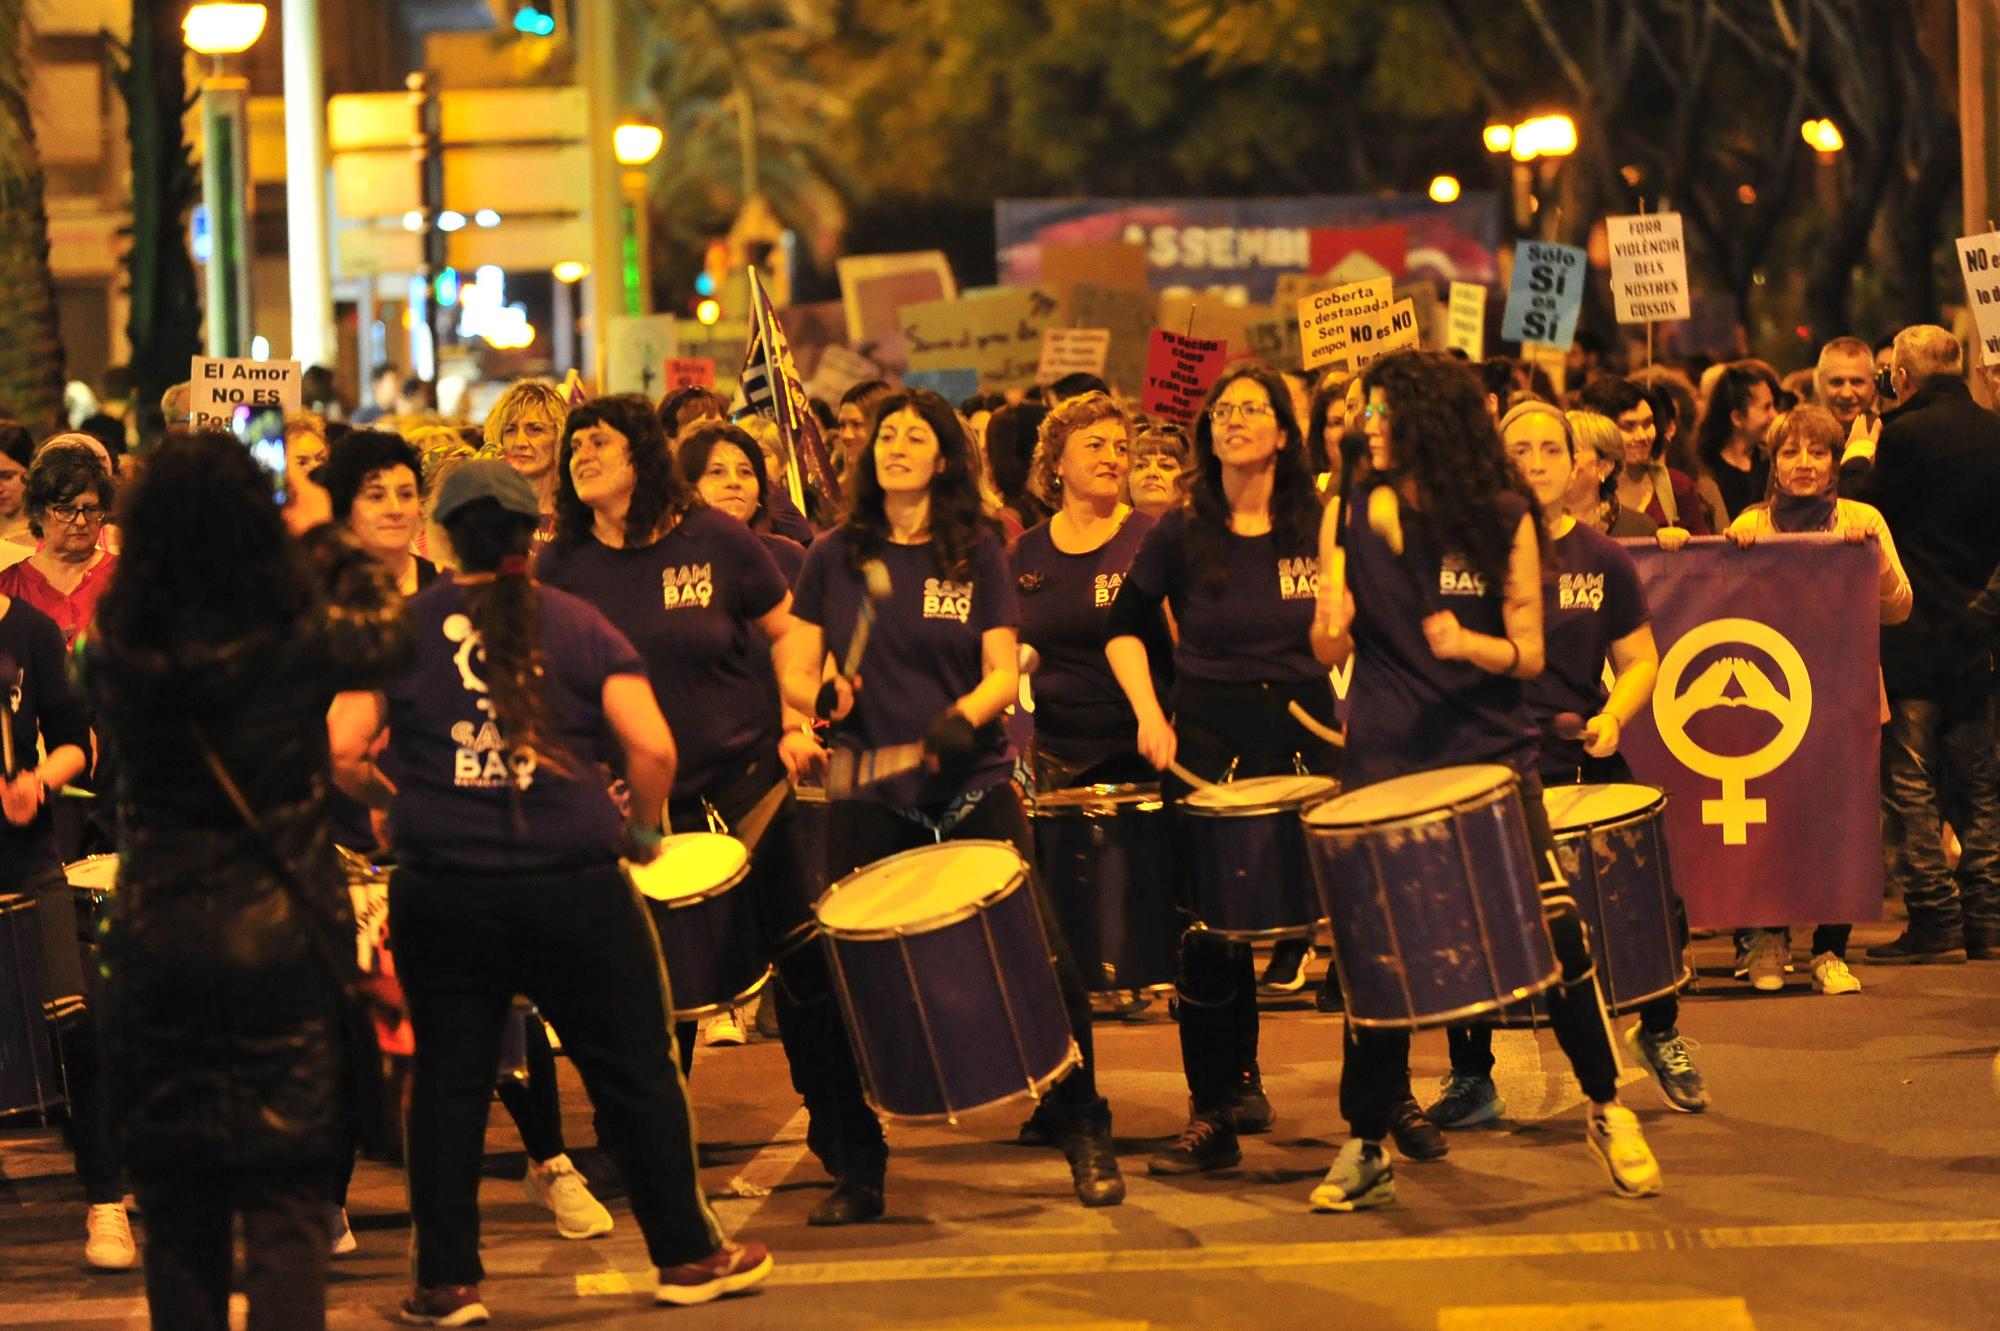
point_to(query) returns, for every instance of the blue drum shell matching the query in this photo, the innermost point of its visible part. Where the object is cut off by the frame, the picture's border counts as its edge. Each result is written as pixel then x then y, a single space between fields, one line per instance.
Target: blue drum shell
pixel 714 950
pixel 27 1065
pixel 1109 872
pixel 1248 876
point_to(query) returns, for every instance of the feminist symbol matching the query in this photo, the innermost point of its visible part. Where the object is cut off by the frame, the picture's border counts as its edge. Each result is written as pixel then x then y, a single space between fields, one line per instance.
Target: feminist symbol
pixel 1672 709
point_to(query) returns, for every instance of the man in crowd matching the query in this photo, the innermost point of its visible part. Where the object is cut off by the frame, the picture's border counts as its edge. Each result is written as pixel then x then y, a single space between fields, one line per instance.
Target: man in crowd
pixel 383 390
pixel 1844 381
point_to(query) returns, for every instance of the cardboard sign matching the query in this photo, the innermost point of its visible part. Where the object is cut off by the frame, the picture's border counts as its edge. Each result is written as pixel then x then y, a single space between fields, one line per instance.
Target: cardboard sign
pixel 1274 340
pixel 874 287
pixel 1110 263
pixel 722 345
pixel 1325 316
pixel 1179 371
pixel 954 385
pixel 1546 295
pixel 839 370
pixel 1465 328
pixel 219 387
pixel 690 372
pixel 1979 261
pixel 1128 316
pixel 1649 267
pixel 997 332
pixel 1208 317
pixel 1370 337
pixel 1295 287
pixel 639 347
pixel 1072 351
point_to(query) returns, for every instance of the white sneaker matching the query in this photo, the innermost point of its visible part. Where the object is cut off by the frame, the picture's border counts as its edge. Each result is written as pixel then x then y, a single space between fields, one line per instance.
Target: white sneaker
pixel 1831 976
pixel 109 1246
pixel 1767 961
pixel 724 1028
pixel 1621 1148
pixel 555 1185
pixel 343 1235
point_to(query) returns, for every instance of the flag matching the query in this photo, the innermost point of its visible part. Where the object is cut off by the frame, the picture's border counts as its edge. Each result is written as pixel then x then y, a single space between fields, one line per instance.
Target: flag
pixel 572 390
pixel 769 386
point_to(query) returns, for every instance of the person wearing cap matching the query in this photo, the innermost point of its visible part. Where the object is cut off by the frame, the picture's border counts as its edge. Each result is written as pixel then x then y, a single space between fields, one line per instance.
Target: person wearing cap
pixel 508 881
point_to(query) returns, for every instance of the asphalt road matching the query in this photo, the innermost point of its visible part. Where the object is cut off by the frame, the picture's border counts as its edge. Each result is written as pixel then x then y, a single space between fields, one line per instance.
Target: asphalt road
pixel 1848 1176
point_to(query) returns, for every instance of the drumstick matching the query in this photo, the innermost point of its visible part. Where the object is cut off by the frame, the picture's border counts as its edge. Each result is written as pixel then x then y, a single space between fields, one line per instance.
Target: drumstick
pixel 1565 725
pixel 1311 723
pixel 847 770
pixel 1385 519
pixel 875 583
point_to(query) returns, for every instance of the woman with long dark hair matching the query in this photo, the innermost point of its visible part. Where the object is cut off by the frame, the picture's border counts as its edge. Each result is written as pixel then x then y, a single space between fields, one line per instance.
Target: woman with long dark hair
pixel 940 667
pixel 1730 440
pixel 1236 564
pixel 1437 683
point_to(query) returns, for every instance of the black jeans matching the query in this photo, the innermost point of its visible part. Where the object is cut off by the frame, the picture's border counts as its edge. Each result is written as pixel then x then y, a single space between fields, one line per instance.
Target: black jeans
pixel 287 1229
pixel 809 1025
pixel 580 945
pixel 1938 766
pixel 859 833
pixel 73 1034
pixel 1376 1076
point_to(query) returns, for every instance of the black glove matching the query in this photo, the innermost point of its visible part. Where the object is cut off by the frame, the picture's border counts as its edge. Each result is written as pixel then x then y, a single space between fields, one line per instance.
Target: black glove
pixel 829 698
pixel 952 741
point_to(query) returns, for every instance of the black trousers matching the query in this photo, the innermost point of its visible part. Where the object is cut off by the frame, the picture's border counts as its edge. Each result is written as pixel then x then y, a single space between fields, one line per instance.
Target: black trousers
pixel 73 1034
pixel 809 1025
pixel 287 1228
pixel 1376 1074
pixel 580 945
pixel 859 833
pixel 1233 730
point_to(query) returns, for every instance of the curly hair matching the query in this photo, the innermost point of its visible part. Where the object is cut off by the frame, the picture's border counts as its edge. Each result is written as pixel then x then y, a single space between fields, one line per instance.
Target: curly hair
pixel 356 456
pixel 1076 413
pixel 62 473
pixel 524 395
pixel 1295 505
pixel 1441 436
pixel 957 521
pixel 697 443
pixel 658 492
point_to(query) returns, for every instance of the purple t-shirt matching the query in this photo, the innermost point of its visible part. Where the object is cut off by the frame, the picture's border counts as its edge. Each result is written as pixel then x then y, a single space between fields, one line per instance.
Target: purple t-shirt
pixel 786 553
pixel 923 654
pixel 689 602
pixel 1591 597
pixel 466 801
pixel 1409 711
pixel 1254 626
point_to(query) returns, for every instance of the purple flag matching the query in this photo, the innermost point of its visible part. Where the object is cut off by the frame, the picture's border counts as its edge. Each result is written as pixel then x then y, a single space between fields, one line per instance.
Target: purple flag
pixel 1765 728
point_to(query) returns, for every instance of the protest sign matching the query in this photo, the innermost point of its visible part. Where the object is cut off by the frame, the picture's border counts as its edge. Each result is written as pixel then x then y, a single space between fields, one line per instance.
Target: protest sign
pixel 1546 295
pixel 638 350
pixel 997 331
pixel 1111 263
pixel 690 372
pixel 1210 317
pixel 1179 371
pixel 218 387
pixel 1649 268
pixel 839 370
pixel 1324 318
pixel 1128 316
pixel 953 385
pixel 1072 351
pixel 873 287
pixel 1979 261
pixel 1467 321
pixel 723 345
pixel 1274 338
pixel 1370 337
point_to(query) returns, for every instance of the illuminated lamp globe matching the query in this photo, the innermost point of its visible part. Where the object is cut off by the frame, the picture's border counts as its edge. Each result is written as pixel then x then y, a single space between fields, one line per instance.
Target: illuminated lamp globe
pixel 571 271
pixel 635 143
pixel 1444 189
pixel 709 311
pixel 1498 138
pixel 223 29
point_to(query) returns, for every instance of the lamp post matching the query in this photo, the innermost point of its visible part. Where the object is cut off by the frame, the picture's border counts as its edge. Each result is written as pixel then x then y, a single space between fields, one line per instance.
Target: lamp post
pixel 218 30
pixel 635 144
pixel 1547 139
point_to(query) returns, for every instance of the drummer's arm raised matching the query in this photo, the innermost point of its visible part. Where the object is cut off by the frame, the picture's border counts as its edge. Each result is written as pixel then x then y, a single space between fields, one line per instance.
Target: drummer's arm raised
pixel 352 725
pixel 650 755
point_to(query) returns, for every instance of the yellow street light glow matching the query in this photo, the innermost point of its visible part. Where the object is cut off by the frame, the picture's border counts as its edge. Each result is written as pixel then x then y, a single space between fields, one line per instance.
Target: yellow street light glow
pixel 1544 136
pixel 571 270
pixel 1823 135
pixel 512 338
pixel 635 143
pixel 223 29
pixel 709 311
pixel 1498 138
pixel 1444 189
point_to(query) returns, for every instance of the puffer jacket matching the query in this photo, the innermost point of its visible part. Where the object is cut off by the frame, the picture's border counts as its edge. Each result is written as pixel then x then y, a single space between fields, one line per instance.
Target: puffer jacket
pixel 221 1018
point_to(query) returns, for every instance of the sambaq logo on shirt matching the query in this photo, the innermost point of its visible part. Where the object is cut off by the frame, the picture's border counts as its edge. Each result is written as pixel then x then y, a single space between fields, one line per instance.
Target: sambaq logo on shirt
pixel 484 760
pixel 945 599
pixel 1455 578
pixel 1105 590
pixel 1580 591
pixel 1298 579
pixel 688 585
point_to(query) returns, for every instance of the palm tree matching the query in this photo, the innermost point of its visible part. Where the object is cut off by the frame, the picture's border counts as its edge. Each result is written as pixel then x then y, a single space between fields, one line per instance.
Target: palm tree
pixel 31 353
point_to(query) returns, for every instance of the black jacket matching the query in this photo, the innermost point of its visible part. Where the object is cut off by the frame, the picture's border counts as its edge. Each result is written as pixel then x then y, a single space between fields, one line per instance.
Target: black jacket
pixel 1936 479
pixel 221 1018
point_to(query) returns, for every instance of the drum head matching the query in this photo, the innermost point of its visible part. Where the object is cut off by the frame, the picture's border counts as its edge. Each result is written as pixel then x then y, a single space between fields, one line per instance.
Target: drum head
pixel 1092 799
pixel 1586 806
pixel 95 873
pixel 929 886
pixel 1261 794
pixel 1411 795
pixel 689 866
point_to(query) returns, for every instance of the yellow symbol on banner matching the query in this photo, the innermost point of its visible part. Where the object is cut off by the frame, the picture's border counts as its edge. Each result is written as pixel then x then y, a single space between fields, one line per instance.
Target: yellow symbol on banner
pixel 1672 709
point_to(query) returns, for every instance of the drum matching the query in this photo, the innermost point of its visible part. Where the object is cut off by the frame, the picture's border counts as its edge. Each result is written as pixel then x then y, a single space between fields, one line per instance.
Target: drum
pixel 1429 881
pixel 1247 877
pixel 709 936
pixel 28 1081
pixel 1106 856
pixel 944 975
pixel 95 878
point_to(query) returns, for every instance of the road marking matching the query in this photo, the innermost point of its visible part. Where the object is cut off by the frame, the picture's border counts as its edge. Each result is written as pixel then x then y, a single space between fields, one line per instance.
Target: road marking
pixel 1666 1315
pixel 772 1165
pixel 1348 1253
pixel 1536 1080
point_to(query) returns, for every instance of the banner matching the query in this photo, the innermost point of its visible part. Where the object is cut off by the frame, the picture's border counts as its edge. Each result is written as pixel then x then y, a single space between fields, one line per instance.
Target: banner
pixel 1764 728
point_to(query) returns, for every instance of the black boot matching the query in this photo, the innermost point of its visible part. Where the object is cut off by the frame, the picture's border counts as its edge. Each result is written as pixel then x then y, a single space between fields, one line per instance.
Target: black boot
pixel 856 1197
pixel 1041 1128
pixel 1982 942
pixel 1093 1163
pixel 1922 944
pixel 1250 1109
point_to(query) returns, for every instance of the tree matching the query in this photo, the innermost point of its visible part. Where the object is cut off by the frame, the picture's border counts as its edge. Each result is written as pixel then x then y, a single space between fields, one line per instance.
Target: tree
pixel 31 352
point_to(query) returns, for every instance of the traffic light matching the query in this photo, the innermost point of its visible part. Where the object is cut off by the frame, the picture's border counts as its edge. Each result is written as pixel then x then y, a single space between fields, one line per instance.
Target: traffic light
pixel 535 18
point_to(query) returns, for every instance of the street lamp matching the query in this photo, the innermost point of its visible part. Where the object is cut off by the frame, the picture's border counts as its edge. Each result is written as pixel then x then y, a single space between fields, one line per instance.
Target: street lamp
pixel 1823 135
pixel 635 143
pixel 1444 189
pixel 218 30
pixel 1544 138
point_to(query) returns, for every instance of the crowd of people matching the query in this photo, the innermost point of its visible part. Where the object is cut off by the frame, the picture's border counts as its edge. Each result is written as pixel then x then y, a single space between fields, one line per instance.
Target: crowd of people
pixel 506 658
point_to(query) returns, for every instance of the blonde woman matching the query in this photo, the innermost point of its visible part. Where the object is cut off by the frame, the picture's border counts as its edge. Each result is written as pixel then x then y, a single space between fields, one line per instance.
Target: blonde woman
pixel 1593 488
pixel 523 429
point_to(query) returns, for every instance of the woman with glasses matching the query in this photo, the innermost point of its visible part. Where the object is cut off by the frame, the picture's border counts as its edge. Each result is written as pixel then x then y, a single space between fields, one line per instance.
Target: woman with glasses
pixel 1237 566
pixel 68 498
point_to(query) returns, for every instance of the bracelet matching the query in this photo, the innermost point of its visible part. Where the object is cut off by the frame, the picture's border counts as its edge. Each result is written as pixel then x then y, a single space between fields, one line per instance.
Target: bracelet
pixel 1514 664
pixel 642 836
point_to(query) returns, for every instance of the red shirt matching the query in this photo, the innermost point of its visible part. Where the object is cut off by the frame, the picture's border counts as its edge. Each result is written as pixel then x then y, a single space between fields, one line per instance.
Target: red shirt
pixel 72 613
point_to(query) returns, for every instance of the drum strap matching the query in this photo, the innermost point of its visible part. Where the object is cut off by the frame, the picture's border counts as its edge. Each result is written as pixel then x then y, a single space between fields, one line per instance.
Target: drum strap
pixel 949 817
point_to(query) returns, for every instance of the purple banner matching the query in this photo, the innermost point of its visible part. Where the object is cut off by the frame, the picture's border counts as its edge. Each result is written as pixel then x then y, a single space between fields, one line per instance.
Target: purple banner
pixel 1765 728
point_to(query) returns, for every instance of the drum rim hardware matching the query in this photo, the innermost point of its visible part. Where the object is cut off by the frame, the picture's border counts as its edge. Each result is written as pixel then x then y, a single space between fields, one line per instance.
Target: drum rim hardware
pixel 1298 805
pixel 1442 813
pixel 932 924
pixel 1099 801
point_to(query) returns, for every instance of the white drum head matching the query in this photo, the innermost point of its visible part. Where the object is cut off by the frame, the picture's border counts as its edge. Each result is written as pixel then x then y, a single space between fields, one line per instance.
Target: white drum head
pixel 1586 806
pixel 690 865
pixel 931 883
pixel 95 873
pixel 1263 792
pixel 1411 795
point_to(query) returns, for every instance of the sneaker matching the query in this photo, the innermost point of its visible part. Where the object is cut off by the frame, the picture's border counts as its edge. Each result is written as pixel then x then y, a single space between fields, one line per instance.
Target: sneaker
pixel 1130 1004
pixel 1618 1144
pixel 1672 1068
pixel 1204 1144
pixel 1920 948
pixel 108 1243
pixel 1361 1178
pixel 1415 1135
pixel 444 1305
pixel 555 1185
pixel 1250 1109
pixel 1831 976
pixel 724 1028
pixel 1765 964
pixel 730 1269
pixel 1466 1102
pixel 343 1235
pixel 1285 973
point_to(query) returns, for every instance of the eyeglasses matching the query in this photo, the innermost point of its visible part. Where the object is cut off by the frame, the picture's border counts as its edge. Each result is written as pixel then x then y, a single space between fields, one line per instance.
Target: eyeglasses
pixel 1249 411
pixel 1375 411
pixel 73 515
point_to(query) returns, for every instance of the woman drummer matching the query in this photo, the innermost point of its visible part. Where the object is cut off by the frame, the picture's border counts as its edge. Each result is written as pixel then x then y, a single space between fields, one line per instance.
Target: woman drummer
pixel 700 598
pixel 939 667
pixel 1236 566
pixel 1444 620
